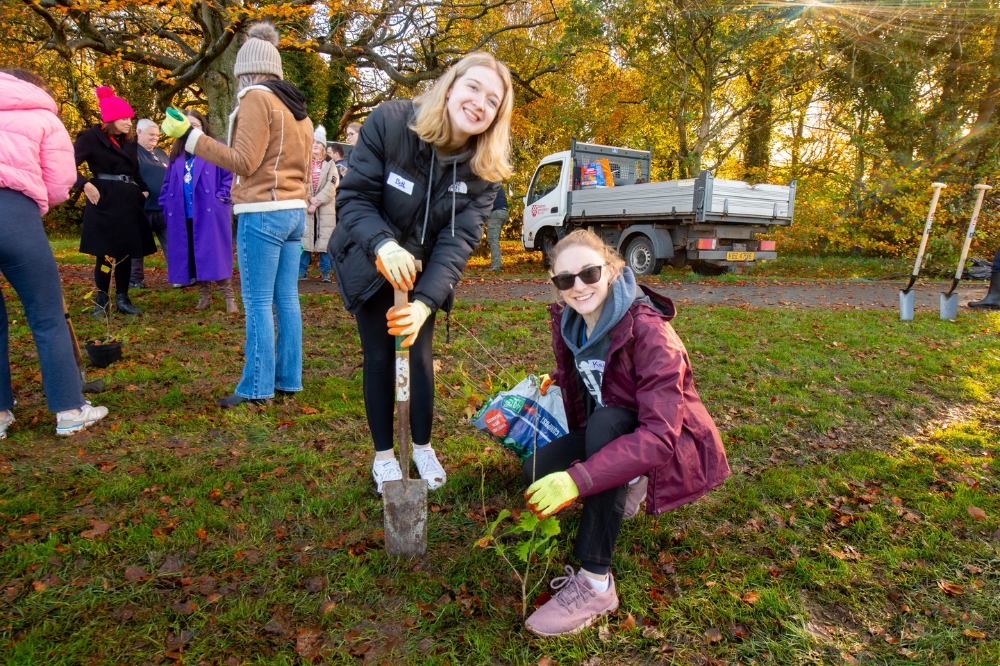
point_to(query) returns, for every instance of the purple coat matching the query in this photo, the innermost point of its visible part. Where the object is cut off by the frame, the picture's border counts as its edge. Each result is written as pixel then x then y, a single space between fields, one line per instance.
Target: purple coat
pixel 211 222
pixel 647 370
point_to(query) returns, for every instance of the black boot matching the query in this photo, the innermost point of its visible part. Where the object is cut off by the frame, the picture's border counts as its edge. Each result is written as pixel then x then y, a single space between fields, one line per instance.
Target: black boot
pixel 101 305
pixel 125 305
pixel 992 300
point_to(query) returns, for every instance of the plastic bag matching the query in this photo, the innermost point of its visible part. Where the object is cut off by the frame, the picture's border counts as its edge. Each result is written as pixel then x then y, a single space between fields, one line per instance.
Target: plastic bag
pixel 522 419
pixel 591 175
pixel 609 176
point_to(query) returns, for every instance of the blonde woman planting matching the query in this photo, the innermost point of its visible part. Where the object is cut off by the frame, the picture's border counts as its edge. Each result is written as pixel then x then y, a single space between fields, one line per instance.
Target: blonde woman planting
pixel 638 429
pixel 421 184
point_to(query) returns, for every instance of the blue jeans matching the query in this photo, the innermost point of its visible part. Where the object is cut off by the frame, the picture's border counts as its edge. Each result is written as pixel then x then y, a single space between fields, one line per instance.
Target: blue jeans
pixel 26 261
pixel 268 247
pixel 324 263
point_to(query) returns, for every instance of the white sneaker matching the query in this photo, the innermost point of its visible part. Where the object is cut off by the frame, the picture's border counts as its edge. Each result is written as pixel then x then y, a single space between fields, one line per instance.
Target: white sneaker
pixel 6 418
pixel 429 467
pixel 75 420
pixel 385 470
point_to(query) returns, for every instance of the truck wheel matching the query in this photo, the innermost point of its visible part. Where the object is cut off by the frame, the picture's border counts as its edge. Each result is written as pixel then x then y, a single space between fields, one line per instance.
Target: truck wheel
pixel 641 258
pixel 707 269
pixel 546 241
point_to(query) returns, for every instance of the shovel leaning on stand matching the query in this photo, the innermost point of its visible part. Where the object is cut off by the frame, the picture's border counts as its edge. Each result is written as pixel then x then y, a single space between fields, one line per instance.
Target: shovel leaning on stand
pixel 405 501
pixel 949 299
pixel 906 294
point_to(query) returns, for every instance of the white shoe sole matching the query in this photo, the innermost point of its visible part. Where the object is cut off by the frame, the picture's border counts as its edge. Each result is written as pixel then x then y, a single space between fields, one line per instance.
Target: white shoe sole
pixel 66 432
pixel 589 622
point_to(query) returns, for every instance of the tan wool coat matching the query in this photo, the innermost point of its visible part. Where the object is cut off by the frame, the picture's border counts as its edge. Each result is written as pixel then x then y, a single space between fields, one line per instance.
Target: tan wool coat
pixel 269 153
pixel 321 224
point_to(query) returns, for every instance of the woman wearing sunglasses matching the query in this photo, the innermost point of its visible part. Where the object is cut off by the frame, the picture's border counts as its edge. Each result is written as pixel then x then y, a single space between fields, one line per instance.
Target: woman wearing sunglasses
pixel 638 429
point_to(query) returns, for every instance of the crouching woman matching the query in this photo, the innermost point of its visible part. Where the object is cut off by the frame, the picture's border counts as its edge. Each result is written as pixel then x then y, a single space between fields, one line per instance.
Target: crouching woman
pixel 638 429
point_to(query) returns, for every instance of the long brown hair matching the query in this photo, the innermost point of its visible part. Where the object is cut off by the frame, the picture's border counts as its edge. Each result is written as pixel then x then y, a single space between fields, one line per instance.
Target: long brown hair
pixel 178 148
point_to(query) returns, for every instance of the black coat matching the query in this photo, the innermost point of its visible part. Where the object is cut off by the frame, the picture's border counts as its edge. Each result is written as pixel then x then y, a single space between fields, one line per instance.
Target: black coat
pixel 117 226
pixel 383 196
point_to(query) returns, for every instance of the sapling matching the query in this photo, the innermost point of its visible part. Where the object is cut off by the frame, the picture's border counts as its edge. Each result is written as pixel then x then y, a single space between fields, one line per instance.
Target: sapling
pixel 106 308
pixel 529 540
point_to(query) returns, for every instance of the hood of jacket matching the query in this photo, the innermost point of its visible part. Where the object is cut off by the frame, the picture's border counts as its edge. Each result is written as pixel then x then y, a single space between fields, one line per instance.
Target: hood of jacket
pixel 290 95
pixel 20 95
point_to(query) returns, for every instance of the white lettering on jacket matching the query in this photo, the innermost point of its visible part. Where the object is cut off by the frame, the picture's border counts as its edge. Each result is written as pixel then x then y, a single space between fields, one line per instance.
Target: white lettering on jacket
pixel 460 187
pixel 400 183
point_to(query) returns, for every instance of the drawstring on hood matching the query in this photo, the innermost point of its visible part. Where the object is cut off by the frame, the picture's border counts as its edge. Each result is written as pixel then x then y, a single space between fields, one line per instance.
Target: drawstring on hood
pixel 454 160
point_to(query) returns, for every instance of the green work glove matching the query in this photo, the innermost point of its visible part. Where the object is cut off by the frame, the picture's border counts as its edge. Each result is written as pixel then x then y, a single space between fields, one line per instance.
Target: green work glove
pixel 550 494
pixel 396 264
pixel 176 124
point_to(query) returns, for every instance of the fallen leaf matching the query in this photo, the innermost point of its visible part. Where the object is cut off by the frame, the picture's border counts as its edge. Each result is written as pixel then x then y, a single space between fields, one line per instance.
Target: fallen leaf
pixel 310 410
pixel 135 573
pixel 738 631
pixel 545 661
pixel 952 589
pixel 170 565
pixel 184 607
pixel 309 643
pixel 971 633
pixel 604 633
pixel 314 584
pixel 38 585
pixel 99 527
pixel 628 623
pixel 327 606
pixel 977 513
pixel 713 635
pixel 176 642
pixel 750 598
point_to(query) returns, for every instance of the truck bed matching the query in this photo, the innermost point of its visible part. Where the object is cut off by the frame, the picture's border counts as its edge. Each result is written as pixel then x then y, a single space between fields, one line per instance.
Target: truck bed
pixel 724 201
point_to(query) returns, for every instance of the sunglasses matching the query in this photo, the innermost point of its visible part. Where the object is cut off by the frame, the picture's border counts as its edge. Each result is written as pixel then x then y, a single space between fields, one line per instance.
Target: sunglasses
pixel 589 275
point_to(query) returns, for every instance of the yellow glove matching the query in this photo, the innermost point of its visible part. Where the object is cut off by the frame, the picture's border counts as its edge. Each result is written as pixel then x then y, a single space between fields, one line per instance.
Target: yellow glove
pixel 550 494
pixel 407 320
pixel 176 124
pixel 546 383
pixel 396 265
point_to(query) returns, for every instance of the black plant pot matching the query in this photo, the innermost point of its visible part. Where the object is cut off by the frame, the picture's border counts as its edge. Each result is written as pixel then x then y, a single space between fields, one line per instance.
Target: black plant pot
pixel 101 356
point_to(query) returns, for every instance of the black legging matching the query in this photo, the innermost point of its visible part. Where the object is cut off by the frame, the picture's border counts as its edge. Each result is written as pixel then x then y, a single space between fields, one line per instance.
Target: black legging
pixel 379 373
pixel 602 513
pixel 122 273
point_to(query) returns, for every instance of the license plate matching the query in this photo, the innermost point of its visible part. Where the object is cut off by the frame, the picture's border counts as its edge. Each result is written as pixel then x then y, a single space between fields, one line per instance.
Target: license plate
pixel 739 256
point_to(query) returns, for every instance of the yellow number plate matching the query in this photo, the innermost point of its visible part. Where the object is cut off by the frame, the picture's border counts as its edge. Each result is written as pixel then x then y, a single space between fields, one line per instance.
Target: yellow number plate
pixel 739 256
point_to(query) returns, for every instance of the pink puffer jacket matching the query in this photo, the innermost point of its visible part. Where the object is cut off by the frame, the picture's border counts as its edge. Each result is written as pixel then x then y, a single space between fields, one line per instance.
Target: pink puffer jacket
pixel 36 153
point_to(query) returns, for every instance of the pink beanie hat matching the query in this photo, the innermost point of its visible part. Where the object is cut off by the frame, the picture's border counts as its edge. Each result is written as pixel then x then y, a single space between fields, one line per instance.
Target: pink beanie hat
pixel 112 107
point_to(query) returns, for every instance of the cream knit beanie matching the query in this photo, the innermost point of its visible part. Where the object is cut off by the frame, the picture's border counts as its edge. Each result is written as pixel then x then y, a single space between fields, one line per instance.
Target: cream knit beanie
pixel 259 54
pixel 319 134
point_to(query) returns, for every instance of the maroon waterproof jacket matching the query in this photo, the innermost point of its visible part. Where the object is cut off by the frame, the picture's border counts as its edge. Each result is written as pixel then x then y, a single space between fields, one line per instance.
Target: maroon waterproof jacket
pixel 648 371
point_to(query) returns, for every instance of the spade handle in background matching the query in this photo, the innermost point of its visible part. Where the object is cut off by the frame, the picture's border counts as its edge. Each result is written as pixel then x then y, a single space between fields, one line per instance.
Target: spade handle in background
pixel 981 190
pixel 95 385
pixel 927 232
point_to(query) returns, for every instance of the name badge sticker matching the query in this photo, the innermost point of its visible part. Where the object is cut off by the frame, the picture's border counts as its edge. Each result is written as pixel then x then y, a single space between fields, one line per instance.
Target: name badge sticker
pixel 400 183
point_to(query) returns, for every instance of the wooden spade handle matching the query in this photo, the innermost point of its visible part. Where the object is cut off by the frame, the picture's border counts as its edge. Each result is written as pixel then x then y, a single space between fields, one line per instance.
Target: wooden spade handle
pixel 400 298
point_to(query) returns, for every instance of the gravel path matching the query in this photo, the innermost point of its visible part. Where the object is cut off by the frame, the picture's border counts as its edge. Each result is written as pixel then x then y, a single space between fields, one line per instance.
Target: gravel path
pixel 833 294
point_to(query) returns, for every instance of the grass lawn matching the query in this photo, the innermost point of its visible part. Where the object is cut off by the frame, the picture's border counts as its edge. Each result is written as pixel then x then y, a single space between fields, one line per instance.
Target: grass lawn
pixel 860 524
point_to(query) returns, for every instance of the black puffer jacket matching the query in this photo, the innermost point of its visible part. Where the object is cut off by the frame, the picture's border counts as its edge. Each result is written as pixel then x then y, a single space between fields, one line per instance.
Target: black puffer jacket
pixel 385 196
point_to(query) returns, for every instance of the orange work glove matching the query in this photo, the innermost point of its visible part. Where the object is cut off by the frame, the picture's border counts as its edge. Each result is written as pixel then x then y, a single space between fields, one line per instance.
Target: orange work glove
pixel 407 320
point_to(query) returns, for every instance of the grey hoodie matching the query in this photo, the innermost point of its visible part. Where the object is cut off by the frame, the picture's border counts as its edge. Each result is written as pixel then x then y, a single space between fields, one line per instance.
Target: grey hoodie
pixel 589 356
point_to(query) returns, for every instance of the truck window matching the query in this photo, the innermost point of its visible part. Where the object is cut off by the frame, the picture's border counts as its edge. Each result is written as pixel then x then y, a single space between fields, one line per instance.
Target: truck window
pixel 546 179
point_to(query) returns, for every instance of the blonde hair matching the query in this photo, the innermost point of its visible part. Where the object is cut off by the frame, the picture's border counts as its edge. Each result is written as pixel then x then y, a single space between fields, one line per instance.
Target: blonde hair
pixel 491 152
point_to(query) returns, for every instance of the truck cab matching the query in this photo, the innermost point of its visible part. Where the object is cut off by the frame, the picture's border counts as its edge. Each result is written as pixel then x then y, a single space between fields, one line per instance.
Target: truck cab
pixel 710 224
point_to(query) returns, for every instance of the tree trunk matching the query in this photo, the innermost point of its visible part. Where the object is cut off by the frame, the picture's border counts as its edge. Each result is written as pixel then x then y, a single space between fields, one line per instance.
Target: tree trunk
pixel 220 87
pixel 757 151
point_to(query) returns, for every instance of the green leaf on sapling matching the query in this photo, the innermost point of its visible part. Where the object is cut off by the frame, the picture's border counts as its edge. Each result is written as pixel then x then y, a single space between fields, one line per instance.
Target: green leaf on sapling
pixel 527 521
pixel 503 514
pixel 549 527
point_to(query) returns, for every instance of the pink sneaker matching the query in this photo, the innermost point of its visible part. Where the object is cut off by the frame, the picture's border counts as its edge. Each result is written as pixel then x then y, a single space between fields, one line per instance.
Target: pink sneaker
pixel 574 608
pixel 636 496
